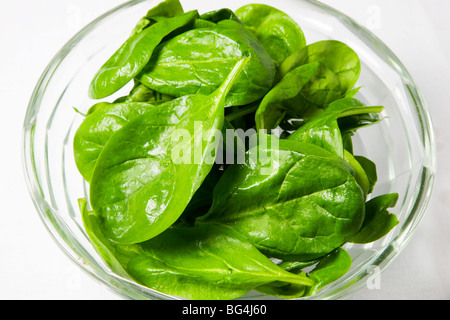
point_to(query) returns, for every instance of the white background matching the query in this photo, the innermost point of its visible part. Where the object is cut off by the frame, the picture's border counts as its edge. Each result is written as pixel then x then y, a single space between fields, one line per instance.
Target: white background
pixel 32 31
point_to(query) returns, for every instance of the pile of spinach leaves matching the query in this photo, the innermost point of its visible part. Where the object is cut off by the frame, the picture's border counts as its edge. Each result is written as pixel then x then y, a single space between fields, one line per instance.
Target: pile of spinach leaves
pixel 202 229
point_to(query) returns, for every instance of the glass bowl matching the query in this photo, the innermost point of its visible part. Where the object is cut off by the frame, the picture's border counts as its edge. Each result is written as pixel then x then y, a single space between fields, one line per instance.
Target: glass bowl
pixel 402 145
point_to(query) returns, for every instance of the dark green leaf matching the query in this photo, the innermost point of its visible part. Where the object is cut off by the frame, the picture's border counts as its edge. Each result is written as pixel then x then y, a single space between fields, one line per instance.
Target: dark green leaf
pixel 166 8
pixel 133 55
pixel 139 187
pixel 202 200
pixel 371 171
pixel 339 72
pixel 378 221
pixel 330 268
pixel 323 130
pixel 359 172
pixel 102 121
pixel 277 31
pixel 115 256
pixel 208 262
pixel 219 15
pixel 199 60
pixel 141 93
pixel 272 110
pixel 298 203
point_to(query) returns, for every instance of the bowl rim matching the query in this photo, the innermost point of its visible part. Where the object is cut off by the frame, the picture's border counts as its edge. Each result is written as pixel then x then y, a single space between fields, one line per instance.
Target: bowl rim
pixel 383 258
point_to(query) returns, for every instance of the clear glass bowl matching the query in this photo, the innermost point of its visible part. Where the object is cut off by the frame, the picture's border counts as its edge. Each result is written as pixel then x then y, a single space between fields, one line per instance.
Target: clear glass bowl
pixel 402 145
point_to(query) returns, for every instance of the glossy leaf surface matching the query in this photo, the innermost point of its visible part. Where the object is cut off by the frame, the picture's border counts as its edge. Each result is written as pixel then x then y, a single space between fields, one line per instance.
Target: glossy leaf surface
pixel 330 268
pixel 272 108
pixel 199 60
pixel 378 221
pixel 277 31
pixel 340 70
pixel 308 205
pixel 219 15
pixel 100 124
pixel 137 189
pixel 164 9
pixel 133 55
pixel 323 130
pixel 206 262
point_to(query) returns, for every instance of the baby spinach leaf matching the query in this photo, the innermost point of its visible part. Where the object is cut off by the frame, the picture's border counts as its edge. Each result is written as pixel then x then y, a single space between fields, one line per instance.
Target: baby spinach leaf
pixel 378 221
pixel 352 93
pixel 102 121
pixel 142 24
pixel 208 262
pixel 219 15
pixel 339 72
pixel 210 19
pixel 115 256
pixel 360 174
pixel 166 8
pixel 284 290
pixel 323 130
pixel 305 206
pixel 277 31
pixel 141 93
pixel 293 266
pixel 134 54
pixel 139 188
pixel 370 169
pixel 272 110
pixel 352 123
pixel 197 61
pixel 202 24
pixel 202 200
pixel 330 268
pixel 195 263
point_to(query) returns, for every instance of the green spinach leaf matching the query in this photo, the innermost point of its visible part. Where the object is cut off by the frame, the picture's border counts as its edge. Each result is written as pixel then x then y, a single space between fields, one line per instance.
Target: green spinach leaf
pixel 272 110
pixel 116 256
pixel 330 268
pixel 102 121
pixel 202 200
pixel 139 188
pixel 277 31
pixel 378 221
pixel 307 204
pixel 339 72
pixel 219 15
pixel 360 174
pixel 208 262
pixel 323 130
pixel 283 289
pixel 197 61
pixel 141 93
pixel 370 169
pixel 165 9
pixel 134 54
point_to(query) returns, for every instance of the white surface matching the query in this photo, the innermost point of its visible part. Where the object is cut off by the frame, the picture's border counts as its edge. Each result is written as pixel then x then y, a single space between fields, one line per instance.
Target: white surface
pixel 31 32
